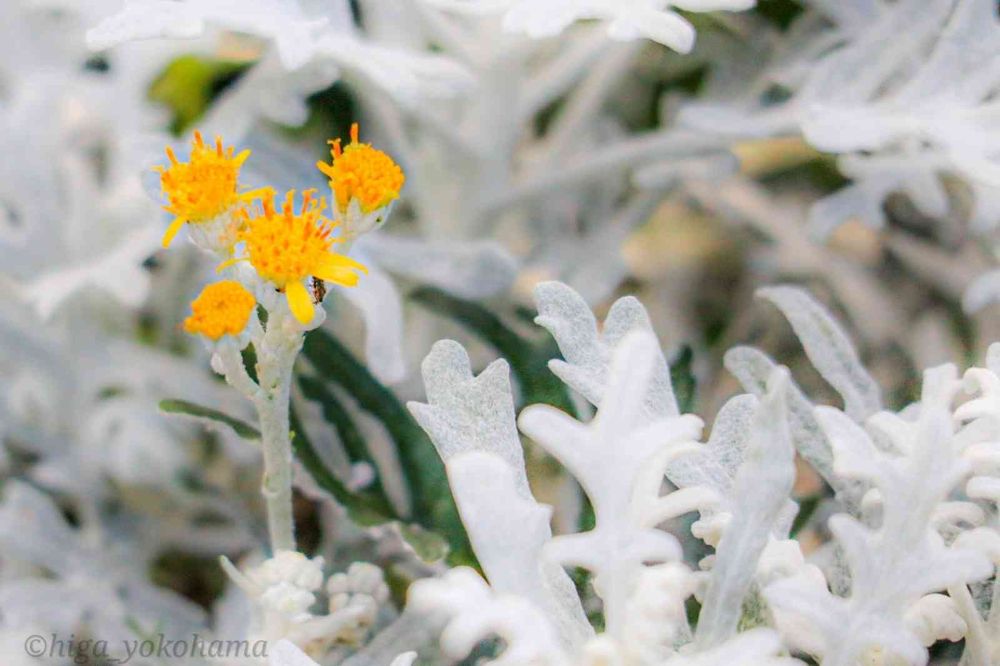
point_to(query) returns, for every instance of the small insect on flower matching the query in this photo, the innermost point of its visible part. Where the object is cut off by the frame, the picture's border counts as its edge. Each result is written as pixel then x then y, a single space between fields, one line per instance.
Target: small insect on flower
pixel 318 290
pixel 364 181
pixel 288 248
pixel 222 308
pixel 205 191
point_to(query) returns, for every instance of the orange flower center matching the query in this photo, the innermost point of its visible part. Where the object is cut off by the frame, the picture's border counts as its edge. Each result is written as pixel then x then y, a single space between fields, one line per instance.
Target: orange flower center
pixel 222 308
pixel 284 246
pixel 361 172
pixel 205 186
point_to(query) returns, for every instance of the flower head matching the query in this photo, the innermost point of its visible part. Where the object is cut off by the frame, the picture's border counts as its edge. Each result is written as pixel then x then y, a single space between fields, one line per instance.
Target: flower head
pixel 222 308
pixel 204 188
pixel 286 248
pixel 364 181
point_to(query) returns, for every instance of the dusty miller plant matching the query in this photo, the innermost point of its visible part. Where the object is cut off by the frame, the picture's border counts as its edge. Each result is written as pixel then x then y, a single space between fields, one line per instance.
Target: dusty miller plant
pixel 914 527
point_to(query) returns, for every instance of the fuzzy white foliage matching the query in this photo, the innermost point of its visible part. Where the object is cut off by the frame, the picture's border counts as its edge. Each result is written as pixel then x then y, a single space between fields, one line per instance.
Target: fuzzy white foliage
pixel 928 105
pixel 294 34
pixel 55 250
pixel 895 564
pixel 917 107
pixel 981 440
pixel 620 458
pixel 758 509
pixel 588 353
pixel 626 19
pixel 478 612
pixel 300 38
pixel 834 356
pixel 284 590
pixel 905 548
pixel 471 421
pixel 752 368
pixel 916 539
pixel 101 583
pixel 286 653
pixel 983 291
pixel 473 270
pixel 829 349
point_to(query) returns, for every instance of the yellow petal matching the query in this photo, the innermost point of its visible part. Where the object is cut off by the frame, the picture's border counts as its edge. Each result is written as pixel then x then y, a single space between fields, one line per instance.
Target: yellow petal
pixel 259 193
pixel 172 230
pixel 228 262
pixel 340 261
pixel 299 301
pixel 338 275
pixel 327 169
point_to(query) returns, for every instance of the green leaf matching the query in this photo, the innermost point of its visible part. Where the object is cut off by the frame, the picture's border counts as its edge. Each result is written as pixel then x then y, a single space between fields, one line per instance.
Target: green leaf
pixel 337 415
pixel 429 546
pixel 807 507
pixel 189 84
pixel 241 428
pixel 682 379
pixel 529 361
pixel 433 506
pixel 364 508
pixel 780 12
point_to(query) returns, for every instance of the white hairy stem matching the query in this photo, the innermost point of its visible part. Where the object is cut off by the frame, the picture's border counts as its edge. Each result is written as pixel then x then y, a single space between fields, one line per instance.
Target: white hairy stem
pixel 277 484
pixel 277 347
pixel 276 355
pixel 236 373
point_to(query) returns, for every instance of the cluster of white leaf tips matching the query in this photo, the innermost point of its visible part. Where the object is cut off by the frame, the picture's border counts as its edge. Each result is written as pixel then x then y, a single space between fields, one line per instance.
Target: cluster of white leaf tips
pixel 284 590
pixel 903 564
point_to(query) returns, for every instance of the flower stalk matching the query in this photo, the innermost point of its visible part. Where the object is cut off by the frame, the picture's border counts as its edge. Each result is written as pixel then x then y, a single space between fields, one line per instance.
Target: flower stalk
pixel 276 353
pixel 272 410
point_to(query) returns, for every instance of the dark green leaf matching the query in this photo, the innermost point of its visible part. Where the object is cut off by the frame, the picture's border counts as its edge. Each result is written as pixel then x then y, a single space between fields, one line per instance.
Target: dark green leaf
pixel 807 507
pixel 337 415
pixel 364 508
pixel 241 428
pixel 683 379
pixel 429 546
pixel 780 12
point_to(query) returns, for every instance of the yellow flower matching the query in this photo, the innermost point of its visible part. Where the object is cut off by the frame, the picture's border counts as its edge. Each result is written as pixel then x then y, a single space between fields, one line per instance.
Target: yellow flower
pixel 202 189
pixel 222 308
pixel 362 173
pixel 287 248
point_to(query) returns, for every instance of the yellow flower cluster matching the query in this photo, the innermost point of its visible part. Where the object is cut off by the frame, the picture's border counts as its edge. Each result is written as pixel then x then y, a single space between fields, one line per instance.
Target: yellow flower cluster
pixel 203 188
pixel 222 308
pixel 362 173
pixel 286 248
